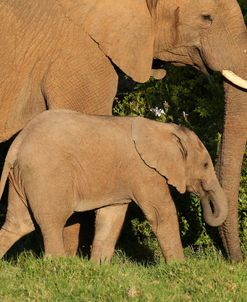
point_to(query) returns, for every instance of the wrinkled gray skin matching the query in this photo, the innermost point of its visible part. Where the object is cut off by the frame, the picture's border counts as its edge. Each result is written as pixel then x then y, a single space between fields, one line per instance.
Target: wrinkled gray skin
pixel 64 162
pixel 60 54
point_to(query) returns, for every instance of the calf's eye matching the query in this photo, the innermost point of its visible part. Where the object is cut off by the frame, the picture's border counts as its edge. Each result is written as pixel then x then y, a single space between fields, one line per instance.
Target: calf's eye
pixel 205 165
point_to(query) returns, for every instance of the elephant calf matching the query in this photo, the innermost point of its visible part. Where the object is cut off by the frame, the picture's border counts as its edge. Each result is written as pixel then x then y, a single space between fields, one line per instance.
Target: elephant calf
pixel 64 162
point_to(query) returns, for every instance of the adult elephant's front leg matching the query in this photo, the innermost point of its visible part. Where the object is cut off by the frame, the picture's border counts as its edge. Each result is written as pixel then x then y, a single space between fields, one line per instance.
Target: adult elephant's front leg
pixel 108 224
pixel 234 144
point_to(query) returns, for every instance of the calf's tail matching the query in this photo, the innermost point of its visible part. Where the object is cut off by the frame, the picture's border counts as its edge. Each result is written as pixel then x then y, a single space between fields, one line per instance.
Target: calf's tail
pixel 10 160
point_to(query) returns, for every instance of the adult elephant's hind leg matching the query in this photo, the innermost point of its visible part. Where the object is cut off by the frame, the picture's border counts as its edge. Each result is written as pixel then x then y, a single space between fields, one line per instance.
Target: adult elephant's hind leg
pixel 109 222
pixel 18 221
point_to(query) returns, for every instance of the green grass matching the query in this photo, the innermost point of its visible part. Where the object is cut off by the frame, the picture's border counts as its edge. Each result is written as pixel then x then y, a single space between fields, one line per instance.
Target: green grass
pixel 204 276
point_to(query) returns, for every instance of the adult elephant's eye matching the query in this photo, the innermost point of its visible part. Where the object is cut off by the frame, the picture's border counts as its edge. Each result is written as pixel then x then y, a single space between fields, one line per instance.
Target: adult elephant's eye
pixel 205 165
pixel 207 17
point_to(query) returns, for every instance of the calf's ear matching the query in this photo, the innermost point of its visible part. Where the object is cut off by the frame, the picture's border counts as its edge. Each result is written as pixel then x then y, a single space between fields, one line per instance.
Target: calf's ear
pixel 162 148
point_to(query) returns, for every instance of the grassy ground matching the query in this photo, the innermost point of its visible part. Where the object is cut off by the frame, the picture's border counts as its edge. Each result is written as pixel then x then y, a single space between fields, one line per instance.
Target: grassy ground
pixel 204 276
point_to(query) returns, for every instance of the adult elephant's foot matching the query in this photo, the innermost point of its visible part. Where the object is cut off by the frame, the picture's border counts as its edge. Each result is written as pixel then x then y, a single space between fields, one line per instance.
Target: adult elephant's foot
pixel 233 251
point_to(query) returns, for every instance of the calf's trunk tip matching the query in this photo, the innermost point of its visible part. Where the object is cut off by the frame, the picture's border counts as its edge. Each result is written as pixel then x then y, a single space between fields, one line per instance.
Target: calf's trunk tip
pixel 214 210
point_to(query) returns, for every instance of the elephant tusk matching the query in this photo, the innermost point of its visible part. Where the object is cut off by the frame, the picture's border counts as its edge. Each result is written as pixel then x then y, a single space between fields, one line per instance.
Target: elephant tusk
pixel 233 78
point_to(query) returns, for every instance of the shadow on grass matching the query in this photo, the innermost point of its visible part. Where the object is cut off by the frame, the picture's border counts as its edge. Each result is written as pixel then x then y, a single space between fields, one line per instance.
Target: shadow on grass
pixel 135 245
pixel 33 242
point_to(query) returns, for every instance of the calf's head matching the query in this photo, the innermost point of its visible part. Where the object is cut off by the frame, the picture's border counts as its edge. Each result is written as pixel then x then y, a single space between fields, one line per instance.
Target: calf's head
pixel 178 154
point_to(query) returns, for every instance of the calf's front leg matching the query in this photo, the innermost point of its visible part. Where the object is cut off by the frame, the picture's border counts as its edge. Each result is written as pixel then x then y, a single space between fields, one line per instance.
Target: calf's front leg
pixel 108 224
pixel 161 213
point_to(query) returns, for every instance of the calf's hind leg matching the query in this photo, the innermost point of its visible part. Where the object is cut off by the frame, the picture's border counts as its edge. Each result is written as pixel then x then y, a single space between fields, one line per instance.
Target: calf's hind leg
pixel 108 224
pixel 18 221
pixel 51 220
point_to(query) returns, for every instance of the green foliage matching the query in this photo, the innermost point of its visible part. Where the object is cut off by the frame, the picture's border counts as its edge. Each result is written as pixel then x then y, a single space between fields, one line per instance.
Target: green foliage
pixel 202 110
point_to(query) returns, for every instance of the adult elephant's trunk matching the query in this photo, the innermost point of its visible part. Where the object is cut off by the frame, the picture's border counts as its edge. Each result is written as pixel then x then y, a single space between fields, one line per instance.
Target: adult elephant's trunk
pixel 232 151
pixel 215 207
pixel 234 58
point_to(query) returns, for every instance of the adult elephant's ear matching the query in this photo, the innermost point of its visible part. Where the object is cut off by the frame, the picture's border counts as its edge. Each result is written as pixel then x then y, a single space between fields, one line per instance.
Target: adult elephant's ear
pixel 122 29
pixel 161 147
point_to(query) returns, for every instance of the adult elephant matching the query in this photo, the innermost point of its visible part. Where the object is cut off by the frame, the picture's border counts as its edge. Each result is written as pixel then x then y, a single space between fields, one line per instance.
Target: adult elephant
pixel 61 53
